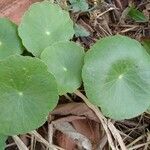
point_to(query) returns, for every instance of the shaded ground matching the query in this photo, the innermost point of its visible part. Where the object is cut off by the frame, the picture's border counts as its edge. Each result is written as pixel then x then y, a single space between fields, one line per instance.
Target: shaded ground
pixel 72 118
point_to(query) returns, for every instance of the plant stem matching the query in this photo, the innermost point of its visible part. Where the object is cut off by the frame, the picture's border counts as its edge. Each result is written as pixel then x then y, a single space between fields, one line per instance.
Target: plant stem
pixel 19 143
pixel 42 140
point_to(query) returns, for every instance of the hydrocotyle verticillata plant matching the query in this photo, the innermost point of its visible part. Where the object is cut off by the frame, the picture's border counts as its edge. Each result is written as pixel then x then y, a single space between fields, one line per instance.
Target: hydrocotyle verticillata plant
pixel 43 25
pixel 65 61
pixel 28 92
pixel 116 77
pixel 115 71
pixel 10 43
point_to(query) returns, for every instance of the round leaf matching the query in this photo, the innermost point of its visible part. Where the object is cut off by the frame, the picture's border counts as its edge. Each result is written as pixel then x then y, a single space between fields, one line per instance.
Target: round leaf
pixel 2 142
pixel 10 42
pixel 28 92
pixel 65 61
pixel 44 24
pixel 116 77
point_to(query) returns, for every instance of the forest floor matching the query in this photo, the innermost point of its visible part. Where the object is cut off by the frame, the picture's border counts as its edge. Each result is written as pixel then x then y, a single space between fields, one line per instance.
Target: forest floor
pixel 72 125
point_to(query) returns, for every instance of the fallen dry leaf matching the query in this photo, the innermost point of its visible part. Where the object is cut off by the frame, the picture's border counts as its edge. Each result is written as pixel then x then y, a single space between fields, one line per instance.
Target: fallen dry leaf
pixel 78 109
pixel 84 122
pixel 86 134
pixel 89 129
pixel 64 141
pixel 82 141
pixel 14 9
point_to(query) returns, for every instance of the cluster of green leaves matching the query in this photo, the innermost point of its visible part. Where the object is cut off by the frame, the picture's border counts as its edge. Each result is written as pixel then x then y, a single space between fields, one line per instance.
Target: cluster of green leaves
pixel 115 71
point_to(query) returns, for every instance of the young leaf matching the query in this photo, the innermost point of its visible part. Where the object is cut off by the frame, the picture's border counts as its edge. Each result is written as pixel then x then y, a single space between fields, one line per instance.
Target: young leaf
pixel 28 92
pixel 10 42
pixel 79 5
pixel 137 15
pixel 80 31
pixel 116 77
pixel 2 142
pixel 65 61
pixel 43 25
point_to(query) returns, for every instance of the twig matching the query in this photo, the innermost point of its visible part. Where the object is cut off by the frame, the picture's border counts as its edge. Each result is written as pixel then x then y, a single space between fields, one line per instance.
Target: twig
pixel 148 139
pixel 117 135
pixel 50 133
pixel 68 97
pixel 138 146
pixel 136 140
pixel 42 140
pixel 103 13
pixel 129 29
pixel 100 116
pixel 33 142
pixel 105 124
pixel 9 145
pixel 19 143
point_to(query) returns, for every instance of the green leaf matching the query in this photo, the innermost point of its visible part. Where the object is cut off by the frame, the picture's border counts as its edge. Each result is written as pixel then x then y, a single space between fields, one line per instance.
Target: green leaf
pixel 80 31
pixel 10 42
pixel 43 25
pixel 28 92
pixel 146 44
pixel 79 5
pixel 65 61
pixel 2 142
pixel 116 77
pixel 137 15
